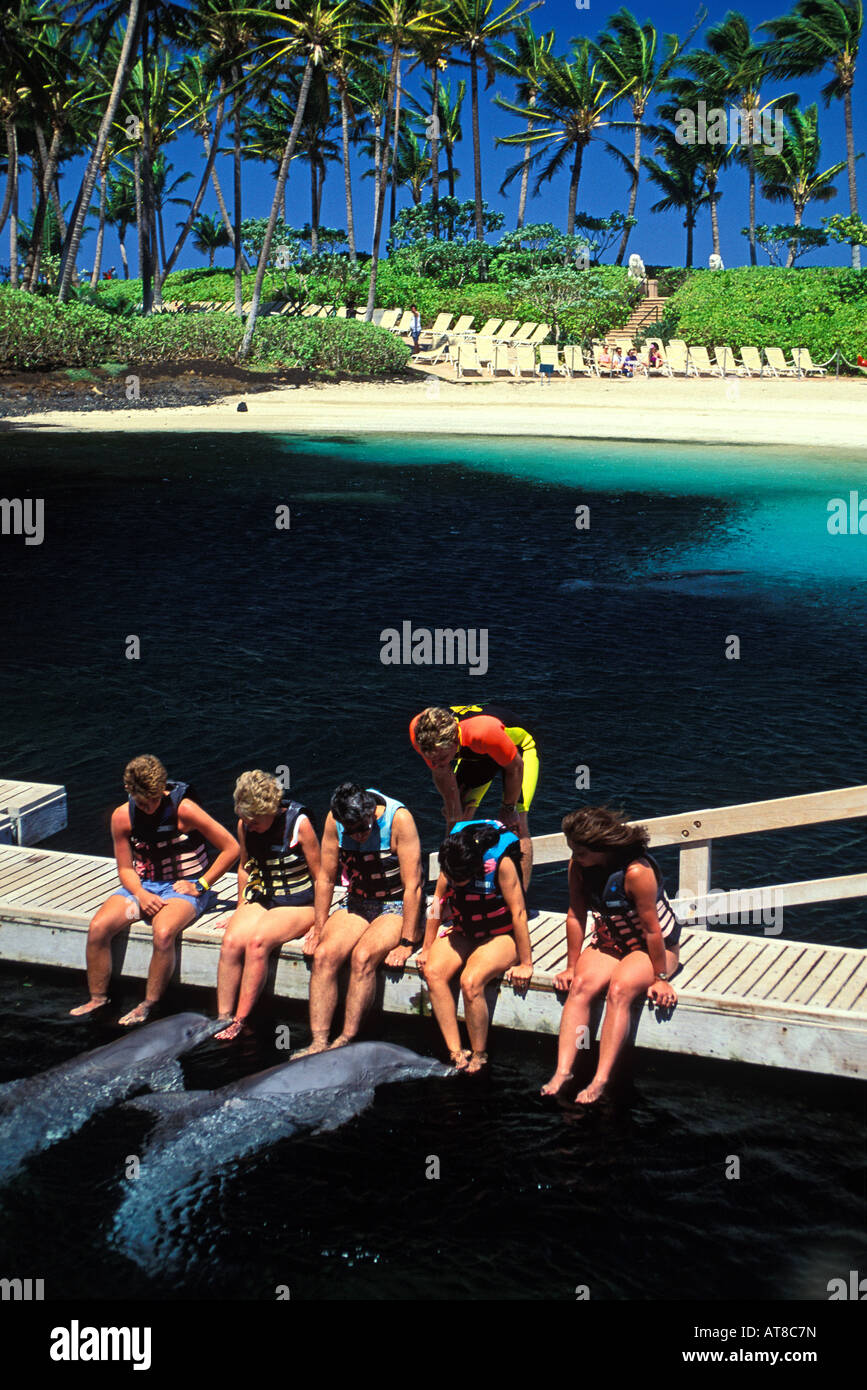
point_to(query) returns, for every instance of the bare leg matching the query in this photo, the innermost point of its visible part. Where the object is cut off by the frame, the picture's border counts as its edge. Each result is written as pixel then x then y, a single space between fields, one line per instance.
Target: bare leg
pixel 487 962
pixel 526 849
pixel 381 936
pixel 595 969
pixel 280 924
pixel 231 967
pixel 632 977
pixel 116 913
pixel 445 958
pixel 342 931
pixel 168 923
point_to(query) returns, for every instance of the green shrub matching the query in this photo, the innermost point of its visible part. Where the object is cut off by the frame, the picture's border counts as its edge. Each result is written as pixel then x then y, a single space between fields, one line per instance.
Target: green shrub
pixel 335 345
pixel 766 306
pixel 39 334
pixel 184 338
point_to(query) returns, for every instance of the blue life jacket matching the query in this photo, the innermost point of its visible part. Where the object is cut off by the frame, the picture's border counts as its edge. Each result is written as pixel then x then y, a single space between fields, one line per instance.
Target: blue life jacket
pixel 371 869
pixel 478 907
pixel 161 851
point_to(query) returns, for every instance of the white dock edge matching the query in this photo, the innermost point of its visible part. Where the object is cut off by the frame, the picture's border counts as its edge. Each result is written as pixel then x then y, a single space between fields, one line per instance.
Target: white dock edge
pixel 31 812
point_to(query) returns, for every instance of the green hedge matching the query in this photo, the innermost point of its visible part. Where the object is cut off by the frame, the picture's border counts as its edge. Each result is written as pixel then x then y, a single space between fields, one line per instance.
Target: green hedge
pixel 766 306
pixel 39 334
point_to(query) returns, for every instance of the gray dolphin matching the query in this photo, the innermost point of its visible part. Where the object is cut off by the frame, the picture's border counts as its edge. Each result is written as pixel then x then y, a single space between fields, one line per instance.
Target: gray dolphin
pixel 38 1110
pixel 200 1132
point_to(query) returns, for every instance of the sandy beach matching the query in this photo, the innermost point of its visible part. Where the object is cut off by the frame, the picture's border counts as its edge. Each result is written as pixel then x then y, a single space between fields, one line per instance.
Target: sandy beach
pixel 825 414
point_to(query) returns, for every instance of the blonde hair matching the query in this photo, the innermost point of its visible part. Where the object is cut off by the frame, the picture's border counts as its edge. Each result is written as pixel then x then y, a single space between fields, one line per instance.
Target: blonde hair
pixel 145 776
pixel 257 793
pixel 436 728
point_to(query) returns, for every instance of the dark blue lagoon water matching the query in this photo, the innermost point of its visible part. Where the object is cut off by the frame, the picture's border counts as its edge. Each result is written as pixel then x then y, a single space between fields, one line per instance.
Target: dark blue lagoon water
pixel 262 646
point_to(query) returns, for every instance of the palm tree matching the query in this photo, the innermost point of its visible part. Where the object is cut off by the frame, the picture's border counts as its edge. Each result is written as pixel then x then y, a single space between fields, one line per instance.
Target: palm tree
pixel 450 132
pixel 815 34
pixel 525 63
pixel 209 234
pixel 475 31
pixel 572 102
pixel 736 68
pixel 627 53
pixel 198 91
pixel 433 53
pixel 315 147
pixel 685 95
pixel 120 209
pixel 792 174
pixel 348 54
pixel 413 165
pixel 682 181
pixel 314 29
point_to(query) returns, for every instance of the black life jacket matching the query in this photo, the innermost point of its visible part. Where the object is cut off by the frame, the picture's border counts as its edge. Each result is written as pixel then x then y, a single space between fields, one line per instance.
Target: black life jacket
pixel 278 870
pixel 478 907
pixel 161 851
pixel 616 921
pixel 372 869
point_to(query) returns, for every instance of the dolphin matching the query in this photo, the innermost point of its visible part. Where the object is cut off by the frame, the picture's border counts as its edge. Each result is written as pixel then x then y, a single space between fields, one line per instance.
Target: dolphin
pixel 38 1110
pixel 198 1133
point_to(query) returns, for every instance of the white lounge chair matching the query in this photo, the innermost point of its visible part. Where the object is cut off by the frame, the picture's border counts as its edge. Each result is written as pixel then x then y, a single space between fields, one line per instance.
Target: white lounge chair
pixel 752 360
pixel 467 359
pixel 540 334
pixel 489 328
pixel 699 359
pixel 464 324
pixel 526 331
pixel 776 360
pixel 485 351
pixel 678 360
pixel 506 330
pixel 726 364
pixel 550 357
pixel 525 359
pixel 573 361
pixel 805 364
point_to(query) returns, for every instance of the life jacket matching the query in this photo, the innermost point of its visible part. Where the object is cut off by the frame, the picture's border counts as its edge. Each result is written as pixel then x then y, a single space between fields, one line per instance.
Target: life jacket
pixel 478 907
pixel 371 869
pixel 161 851
pixel 277 865
pixel 616 921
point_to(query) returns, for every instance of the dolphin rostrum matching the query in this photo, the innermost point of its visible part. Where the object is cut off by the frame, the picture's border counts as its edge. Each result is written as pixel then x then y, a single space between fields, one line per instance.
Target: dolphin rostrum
pixel 200 1132
pixel 38 1110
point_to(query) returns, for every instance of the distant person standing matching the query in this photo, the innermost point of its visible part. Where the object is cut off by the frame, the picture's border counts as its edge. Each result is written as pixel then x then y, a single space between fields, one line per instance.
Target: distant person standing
pixel 415 326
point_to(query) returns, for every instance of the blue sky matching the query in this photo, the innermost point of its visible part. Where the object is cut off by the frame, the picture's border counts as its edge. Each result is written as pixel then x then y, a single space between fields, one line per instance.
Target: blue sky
pixel 659 238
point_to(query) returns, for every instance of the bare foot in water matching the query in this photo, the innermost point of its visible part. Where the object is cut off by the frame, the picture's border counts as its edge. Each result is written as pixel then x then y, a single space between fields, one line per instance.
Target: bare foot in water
pixel 591 1093
pixel 459 1058
pixel 98 1002
pixel 477 1061
pixel 234 1027
pixel 311 1050
pixel 557 1082
pixel 137 1015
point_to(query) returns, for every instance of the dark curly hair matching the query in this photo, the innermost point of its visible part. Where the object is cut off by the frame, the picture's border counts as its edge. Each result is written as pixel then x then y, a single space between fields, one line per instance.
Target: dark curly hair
pixel 605 831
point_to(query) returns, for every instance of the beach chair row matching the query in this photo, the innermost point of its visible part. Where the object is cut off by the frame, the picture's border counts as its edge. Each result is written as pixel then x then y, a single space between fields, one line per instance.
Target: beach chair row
pixel 678 358
pixel 487 355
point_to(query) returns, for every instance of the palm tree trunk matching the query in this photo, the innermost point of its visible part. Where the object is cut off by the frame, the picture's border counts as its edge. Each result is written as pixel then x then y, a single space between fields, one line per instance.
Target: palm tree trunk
pixel 147 175
pixel 690 226
pixel 7 197
pixel 477 149
pixel 714 211
pixel 13 212
pixel 100 236
pixel 218 190
pixel 203 184
pixel 31 266
pixel 573 190
pixel 236 169
pixel 397 95
pixel 633 192
pixel 314 208
pixel 347 178
pixel 121 241
pixel 275 210
pixel 71 244
pixel 139 222
pixel 751 164
pixel 435 148
pixel 525 176
pixel 850 160
pixel 382 184
pixel 797 215
pixel 49 158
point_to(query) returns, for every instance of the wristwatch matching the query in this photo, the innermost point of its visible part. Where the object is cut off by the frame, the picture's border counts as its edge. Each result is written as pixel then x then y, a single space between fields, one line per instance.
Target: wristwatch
pixel 203 885
pixel 403 942
pixel 661 975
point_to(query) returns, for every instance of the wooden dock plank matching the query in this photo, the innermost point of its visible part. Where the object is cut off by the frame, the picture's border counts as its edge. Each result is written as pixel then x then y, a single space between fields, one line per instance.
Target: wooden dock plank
pixel 800 957
pixel 812 983
pixel 852 991
pixel 801 971
pixel 31 885
pixel 719 952
pixel 756 968
pixel 788 956
pixel 847 964
pixel 738 964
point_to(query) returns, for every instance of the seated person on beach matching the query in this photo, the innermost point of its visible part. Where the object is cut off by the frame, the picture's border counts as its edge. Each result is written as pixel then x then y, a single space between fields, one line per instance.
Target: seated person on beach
pixel 372 841
pixel 616 360
pixel 477 925
pixel 653 356
pixel 278 868
pixel 630 362
pixel 633 949
pixel 161 840
pixel 606 362
pixel 486 740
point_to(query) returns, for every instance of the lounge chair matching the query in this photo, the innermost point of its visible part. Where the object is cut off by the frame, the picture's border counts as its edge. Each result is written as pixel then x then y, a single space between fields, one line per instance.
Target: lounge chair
pixel 805 364
pixel 489 329
pixel 463 325
pixel 776 360
pixel 526 331
pixel 678 360
pixel 540 334
pixel 679 345
pixel 404 322
pixel 434 354
pixel 467 359
pixel 441 323
pixel 342 312
pixel 390 318
pixel 525 360
pixel 310 311
pixel 725 361
pixel 506 330
pixel 504 358
pixel 573 361
pixel 699 359
pixel 599 367
pixel 752 360
pixel 485 350
pixel 550 357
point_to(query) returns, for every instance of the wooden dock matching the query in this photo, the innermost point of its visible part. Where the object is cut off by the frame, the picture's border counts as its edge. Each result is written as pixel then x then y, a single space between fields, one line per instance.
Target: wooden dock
pixel 30 812
pixel 750 998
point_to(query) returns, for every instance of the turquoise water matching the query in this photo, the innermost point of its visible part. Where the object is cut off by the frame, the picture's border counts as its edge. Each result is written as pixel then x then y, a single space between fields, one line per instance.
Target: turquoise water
pixel 262 647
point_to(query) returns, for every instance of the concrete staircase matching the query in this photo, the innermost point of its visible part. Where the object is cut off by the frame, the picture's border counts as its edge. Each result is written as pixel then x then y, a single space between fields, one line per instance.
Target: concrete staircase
pixel 643 316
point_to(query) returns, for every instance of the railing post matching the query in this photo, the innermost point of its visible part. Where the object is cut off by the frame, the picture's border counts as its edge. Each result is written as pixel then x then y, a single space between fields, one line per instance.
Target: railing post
pixel 694 868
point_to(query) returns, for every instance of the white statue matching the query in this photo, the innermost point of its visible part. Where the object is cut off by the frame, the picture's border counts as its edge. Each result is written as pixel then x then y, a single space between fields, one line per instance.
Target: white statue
pixel 636 267
pixel 715 262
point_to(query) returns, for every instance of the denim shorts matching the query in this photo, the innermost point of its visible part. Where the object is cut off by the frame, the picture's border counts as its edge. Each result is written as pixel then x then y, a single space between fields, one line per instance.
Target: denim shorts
pixel 203 903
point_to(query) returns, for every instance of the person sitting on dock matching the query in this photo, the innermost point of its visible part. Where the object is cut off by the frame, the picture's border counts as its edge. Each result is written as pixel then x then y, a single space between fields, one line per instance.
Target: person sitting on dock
pixel 483 932
pixel 633 949
pixel 372 841
pixel 485 740
pixel 277 870
pixel 161 839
